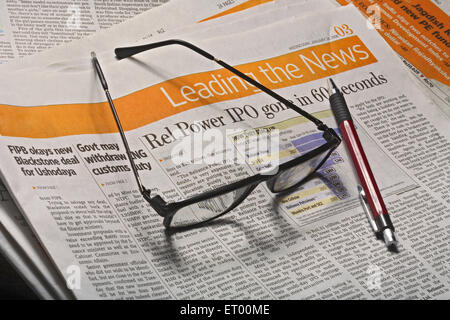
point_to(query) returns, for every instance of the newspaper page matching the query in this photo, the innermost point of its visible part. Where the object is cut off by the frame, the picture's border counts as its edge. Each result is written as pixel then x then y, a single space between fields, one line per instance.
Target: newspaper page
pixel 240 21
pixel 174 14
pixel 68 172
pixel 419 31
pixel 12 219
pixel 28 27
pixel 210 28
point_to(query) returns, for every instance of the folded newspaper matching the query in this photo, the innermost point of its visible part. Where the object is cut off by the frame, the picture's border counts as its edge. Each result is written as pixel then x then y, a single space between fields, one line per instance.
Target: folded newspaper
pixel 65 165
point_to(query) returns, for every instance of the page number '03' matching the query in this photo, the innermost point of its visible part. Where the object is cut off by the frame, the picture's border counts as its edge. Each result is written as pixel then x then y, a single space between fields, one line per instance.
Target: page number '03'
pixel 343 30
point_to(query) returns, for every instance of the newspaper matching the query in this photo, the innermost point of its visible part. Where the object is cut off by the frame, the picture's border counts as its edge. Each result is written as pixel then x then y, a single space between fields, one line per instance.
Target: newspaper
pixel 417 30
pixel 33 26
pixel 20 246
pixel 10 215
pixel 173 15
pixel 68 173
pixel 428 67
pixel 27 28
pixel 18 231
pixel 37 280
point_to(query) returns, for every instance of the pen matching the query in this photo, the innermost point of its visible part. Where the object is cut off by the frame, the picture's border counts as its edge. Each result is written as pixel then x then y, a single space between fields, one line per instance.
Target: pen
pixel 369 194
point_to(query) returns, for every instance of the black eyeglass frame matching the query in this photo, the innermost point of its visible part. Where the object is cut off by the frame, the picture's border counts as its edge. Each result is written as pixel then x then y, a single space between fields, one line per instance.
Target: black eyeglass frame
pixel 168 210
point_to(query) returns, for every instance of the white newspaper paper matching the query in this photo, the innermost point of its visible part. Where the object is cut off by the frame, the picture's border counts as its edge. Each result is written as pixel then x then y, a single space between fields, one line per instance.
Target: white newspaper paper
pixel 313 243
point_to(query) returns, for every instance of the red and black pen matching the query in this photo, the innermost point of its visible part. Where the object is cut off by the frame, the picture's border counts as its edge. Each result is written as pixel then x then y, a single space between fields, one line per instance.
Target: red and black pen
pixel 369 193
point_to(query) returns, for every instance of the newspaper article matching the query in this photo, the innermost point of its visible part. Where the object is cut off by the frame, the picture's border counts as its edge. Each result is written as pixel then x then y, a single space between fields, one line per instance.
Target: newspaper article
pixel 67 170
pixel 33 26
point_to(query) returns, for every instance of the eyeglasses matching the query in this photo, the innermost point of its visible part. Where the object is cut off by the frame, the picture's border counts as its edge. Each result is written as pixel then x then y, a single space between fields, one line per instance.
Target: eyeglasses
pixel 202 208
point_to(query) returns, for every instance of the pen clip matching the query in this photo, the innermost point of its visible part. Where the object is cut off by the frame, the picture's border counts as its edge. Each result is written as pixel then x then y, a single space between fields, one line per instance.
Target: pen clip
pixel 365 205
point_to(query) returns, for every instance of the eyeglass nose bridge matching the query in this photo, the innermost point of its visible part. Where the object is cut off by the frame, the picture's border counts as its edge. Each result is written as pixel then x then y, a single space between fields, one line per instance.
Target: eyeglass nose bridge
pixel 270 183
pixel 158 204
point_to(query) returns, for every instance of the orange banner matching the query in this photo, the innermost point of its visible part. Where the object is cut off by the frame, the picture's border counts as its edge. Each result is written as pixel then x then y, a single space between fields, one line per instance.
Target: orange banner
pixel 186 92
pixel 418 30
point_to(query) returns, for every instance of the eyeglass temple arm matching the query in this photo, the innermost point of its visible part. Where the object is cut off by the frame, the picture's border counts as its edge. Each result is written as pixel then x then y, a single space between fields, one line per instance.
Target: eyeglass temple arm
pixel 122 53
pixel 102 78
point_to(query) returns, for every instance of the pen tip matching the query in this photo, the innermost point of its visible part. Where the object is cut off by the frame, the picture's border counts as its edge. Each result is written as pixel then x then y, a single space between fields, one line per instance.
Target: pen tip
pixel 93 55
pixel 390 240
pixel 331 86
pixel 393 247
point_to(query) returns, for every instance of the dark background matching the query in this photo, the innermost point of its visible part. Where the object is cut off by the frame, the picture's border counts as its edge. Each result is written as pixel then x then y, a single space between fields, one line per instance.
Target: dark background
pixel 12 286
